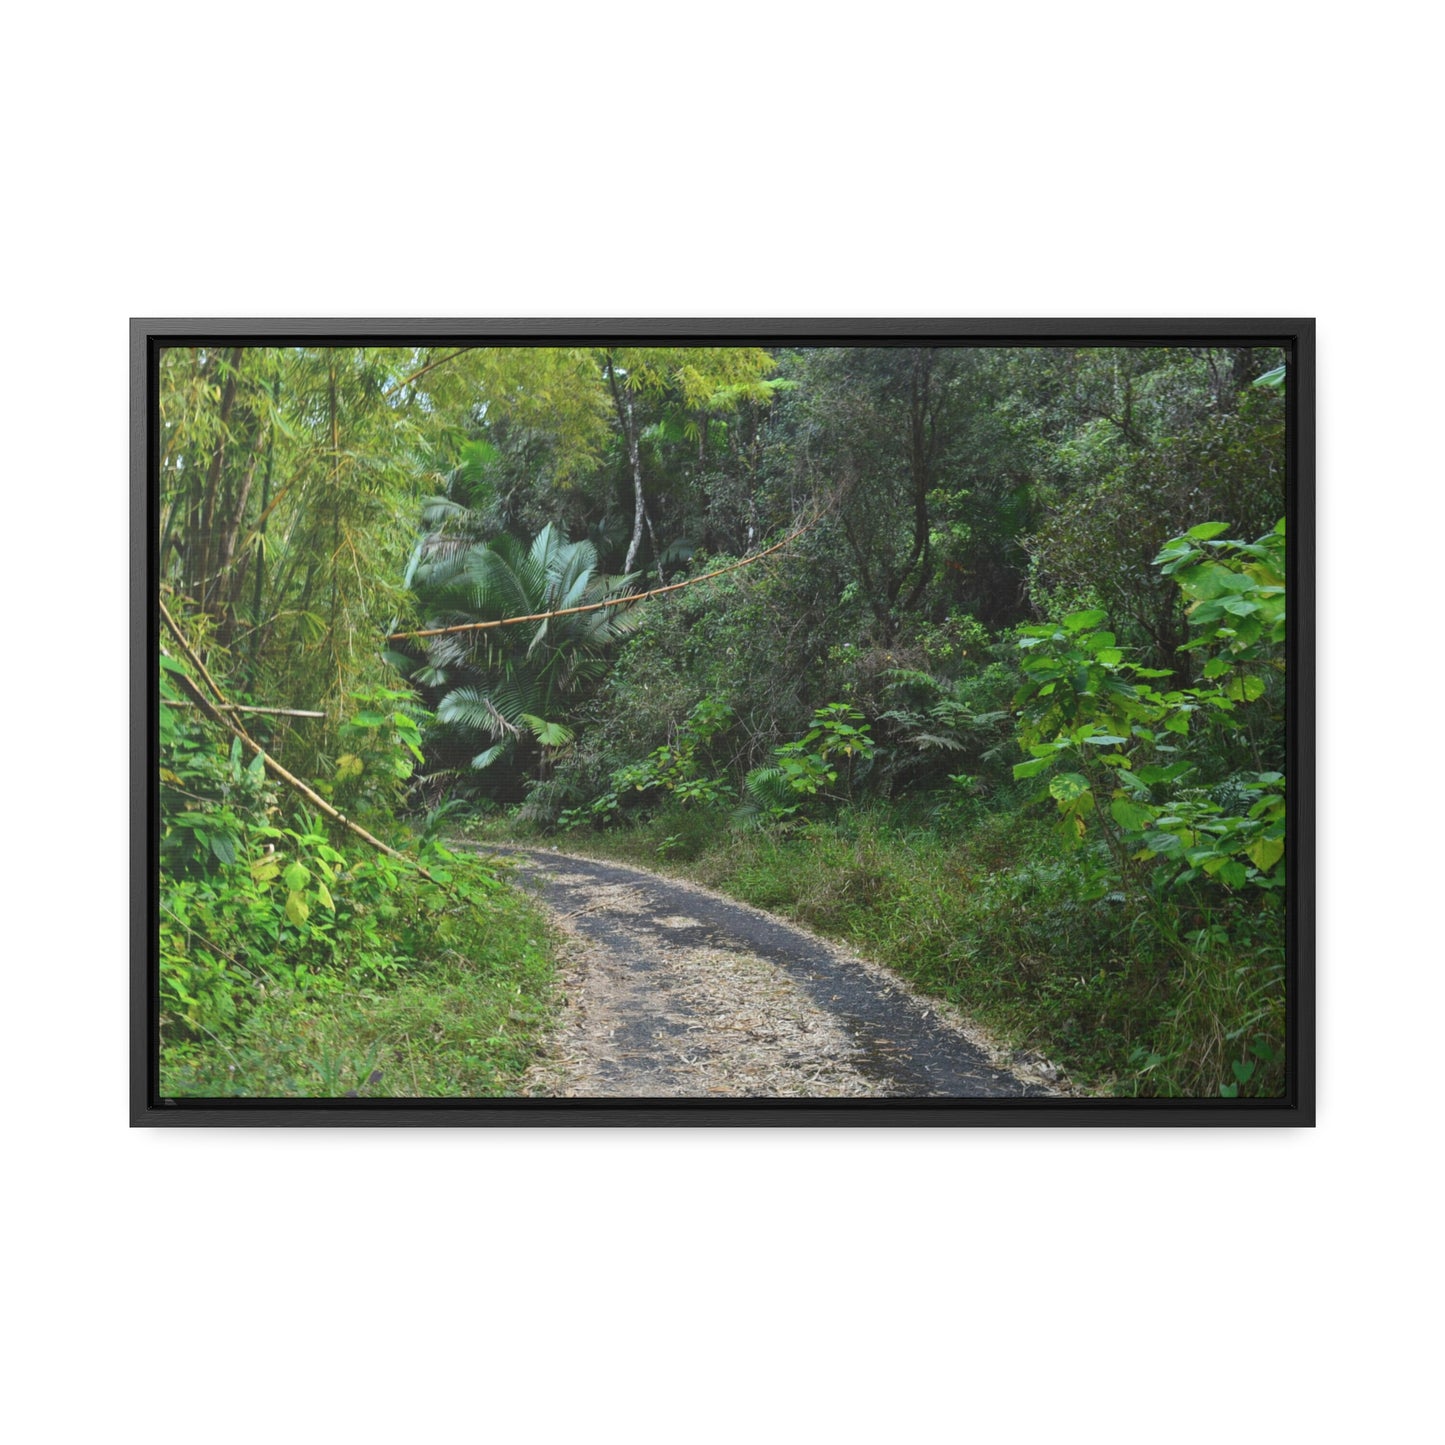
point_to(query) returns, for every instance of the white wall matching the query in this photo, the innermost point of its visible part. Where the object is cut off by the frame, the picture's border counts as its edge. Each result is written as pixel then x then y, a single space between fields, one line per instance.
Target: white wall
pixel 765 160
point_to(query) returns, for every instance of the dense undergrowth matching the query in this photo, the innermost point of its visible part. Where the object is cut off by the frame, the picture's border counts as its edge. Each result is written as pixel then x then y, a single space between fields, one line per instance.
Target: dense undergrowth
pixel 297 962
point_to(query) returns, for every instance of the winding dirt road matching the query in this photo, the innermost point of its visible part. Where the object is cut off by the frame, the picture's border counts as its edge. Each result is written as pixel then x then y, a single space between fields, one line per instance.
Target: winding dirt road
pixel 673 991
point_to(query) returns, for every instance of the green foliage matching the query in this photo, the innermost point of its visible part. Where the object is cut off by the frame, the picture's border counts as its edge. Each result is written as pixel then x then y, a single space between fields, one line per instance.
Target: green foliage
pixel 1134 771
pixel 502 693
pixel 937 723
pixel 752 638
pixel 682 769
pixel 460 1019
pixel 381 747
pixel 269 924
pixel 1192 445
pixel 806 767
pixel 286 477
pixel 1236 595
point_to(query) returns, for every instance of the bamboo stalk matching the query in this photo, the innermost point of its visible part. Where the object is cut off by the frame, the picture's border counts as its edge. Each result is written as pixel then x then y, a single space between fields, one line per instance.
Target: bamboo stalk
pixel 392 391
pixel 193 658
pixel 292 781
pixel 243 707
pixel 598 606
pixel 213 710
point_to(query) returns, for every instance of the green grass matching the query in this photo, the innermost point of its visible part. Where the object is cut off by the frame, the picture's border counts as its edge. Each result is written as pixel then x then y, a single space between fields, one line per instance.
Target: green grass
pixel 461 1020
pixel 1130 994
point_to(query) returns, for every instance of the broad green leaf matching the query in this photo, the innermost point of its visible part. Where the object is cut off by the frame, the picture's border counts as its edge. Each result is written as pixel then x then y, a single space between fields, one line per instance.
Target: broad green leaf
pixel 1206 530
pixel 1079 621
pixel 1171 552
pixel 296 909
pixel 1164 775
pixel 1132 817
pixel 1068 786
pixel 1272 380
pixel 1213 579
pixel 1264 853
pixel 257 766
pixel 1233 874
pixel 297 876
pixel 324 894
pixel 1032 769
pixel 1245 689
pixel 224 847
pixel 1242 1072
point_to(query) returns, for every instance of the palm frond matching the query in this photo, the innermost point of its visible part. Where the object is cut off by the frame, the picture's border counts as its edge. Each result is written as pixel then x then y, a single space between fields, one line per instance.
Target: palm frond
pixel 471 707
pixel 549 734
pixel 506 581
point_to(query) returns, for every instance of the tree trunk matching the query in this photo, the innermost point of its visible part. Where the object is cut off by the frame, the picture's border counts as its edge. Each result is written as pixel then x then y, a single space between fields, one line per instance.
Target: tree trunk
pixel 201 553
pixel 628 423
pixel 922 449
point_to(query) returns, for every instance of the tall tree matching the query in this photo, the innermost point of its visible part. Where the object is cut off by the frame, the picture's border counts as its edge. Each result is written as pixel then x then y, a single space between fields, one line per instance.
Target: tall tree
pixel 696 380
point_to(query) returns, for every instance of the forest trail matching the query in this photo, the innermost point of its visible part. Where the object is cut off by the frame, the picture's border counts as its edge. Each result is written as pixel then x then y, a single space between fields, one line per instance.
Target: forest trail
pixel 673 991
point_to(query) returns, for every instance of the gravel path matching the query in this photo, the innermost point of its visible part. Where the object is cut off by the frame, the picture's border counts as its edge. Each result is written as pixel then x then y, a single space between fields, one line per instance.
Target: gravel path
pixel 673 991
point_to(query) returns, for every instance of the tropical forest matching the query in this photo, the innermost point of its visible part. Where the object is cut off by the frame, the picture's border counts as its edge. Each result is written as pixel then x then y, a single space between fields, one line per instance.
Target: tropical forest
pixel 720 721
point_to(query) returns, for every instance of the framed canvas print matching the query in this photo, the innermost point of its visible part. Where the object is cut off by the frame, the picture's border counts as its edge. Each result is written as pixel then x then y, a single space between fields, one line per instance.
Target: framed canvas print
pixel 747 722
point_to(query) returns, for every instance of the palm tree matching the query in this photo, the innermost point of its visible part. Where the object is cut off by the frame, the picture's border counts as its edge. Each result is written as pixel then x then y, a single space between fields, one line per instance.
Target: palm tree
pixel 512 688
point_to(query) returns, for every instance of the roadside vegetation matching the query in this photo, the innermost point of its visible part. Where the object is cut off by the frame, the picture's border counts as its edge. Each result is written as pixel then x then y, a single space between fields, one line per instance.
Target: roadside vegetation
pixel 295 963
pixel 974 659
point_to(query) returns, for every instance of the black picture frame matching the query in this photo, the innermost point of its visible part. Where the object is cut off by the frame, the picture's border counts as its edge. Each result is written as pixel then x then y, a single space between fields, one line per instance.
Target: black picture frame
pixel 1297 1108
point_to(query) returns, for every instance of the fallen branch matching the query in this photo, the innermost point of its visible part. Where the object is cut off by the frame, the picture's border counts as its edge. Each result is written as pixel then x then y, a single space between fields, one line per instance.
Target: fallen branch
pixel 611 601
pixel 213 710
pixel 242 707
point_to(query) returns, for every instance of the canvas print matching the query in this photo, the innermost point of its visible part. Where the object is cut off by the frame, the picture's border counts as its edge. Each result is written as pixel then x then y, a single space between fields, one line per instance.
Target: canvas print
pixel 747 719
